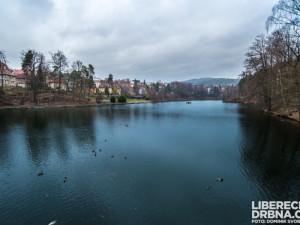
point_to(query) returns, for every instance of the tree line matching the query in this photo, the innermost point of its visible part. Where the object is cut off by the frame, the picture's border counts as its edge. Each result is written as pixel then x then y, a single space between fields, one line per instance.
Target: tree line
pixel 175 90
pixel 182 91
pixel 78 80
pixel 272 63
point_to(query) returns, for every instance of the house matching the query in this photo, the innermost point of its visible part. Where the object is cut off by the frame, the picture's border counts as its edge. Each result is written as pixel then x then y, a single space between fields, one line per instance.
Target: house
pixel 208 90
pixel 6 74
pixel 97 82
pixel 20 78
pixel 54 84
pixel 10 80
pixel 93 89
pixel 126 87
pixel 102 87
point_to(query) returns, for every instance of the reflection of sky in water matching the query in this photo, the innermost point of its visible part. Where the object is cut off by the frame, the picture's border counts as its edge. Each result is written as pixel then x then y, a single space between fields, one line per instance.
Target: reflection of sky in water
pixel 173 151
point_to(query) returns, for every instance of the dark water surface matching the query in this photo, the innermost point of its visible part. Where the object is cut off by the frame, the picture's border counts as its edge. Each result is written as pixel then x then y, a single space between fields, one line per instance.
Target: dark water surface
pixel 174 150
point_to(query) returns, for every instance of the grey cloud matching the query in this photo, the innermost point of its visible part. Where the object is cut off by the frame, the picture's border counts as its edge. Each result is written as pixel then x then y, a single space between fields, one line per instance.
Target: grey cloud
pixel 152 40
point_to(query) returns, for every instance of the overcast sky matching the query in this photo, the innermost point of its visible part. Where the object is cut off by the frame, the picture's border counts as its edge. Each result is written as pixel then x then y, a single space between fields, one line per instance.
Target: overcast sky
pixel 164 40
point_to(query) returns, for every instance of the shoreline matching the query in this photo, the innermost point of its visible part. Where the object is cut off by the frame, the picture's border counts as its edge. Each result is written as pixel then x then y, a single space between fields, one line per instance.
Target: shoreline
pixel 32 106
pixel 280 113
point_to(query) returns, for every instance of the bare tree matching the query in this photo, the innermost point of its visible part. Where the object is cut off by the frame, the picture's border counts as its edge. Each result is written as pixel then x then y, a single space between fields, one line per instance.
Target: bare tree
pixel 280 54
pixel 77 76
pixel 3 63
pixel 59 62
pixel 258 62
pixel 286 16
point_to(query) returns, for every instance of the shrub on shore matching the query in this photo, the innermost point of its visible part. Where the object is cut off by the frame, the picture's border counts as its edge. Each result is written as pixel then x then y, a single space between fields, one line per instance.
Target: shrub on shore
pixel 112 99
pixel 122 98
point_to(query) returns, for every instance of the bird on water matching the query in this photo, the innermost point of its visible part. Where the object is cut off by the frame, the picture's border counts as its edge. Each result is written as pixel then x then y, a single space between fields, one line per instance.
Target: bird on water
pixel 40 173
pixel 219 179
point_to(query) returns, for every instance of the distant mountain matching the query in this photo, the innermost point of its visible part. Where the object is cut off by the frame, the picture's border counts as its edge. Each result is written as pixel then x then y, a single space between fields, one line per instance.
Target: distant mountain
pixel 213 81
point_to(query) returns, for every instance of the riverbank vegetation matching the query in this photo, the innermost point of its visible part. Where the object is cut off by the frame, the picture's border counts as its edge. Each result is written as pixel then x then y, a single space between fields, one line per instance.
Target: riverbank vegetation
pixel 272 63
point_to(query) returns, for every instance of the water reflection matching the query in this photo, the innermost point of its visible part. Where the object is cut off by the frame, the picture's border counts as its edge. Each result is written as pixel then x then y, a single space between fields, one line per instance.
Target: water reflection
pixel 270 154
pixel 46 131
pixel 131 112
pixel 174 150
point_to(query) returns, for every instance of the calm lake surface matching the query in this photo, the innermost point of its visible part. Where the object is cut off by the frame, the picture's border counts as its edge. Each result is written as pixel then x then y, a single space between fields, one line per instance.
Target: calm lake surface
pixel 174 150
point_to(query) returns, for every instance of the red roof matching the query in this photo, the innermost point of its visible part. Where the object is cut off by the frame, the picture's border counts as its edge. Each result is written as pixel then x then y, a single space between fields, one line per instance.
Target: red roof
pixel 17 72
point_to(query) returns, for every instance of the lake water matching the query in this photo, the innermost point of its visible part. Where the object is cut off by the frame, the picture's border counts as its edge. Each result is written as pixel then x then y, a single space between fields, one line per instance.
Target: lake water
pixel 174 150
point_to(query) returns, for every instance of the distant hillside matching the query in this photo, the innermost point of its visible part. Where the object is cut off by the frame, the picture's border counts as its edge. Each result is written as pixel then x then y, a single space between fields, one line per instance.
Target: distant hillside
pixel 213 81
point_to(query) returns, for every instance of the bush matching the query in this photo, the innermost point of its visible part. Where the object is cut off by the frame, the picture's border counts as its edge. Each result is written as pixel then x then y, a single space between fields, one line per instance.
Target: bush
pixel 112 99
pixel 122 98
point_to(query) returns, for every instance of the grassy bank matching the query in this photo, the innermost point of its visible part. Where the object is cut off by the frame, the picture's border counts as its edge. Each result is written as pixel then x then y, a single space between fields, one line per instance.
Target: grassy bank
pixel 47 100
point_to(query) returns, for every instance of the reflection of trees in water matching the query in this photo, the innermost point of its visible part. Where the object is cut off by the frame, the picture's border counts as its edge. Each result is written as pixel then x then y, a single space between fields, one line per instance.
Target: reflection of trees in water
pixel 271 154
pixel 124 113
pixel 47 129
pixel 5 129
pixel 5 153
pixel 111 112
pixel 35 132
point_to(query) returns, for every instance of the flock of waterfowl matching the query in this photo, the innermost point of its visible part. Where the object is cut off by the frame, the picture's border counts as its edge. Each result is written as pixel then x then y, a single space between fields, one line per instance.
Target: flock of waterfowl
pixel 41 173
pixel 208 187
